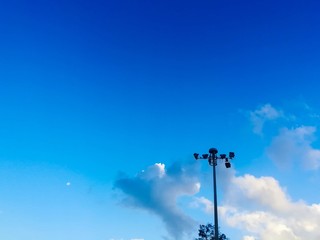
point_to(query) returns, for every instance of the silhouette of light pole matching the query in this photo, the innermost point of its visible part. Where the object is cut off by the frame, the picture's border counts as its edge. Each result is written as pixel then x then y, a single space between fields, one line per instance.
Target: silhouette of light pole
pixel 212 160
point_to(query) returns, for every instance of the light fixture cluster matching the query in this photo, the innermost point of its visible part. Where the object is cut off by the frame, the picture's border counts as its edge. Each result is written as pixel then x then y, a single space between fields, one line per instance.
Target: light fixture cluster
pixel 213 157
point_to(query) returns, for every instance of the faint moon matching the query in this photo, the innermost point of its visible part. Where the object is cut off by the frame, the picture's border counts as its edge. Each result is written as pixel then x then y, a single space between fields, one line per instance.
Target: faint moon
pixel 68 184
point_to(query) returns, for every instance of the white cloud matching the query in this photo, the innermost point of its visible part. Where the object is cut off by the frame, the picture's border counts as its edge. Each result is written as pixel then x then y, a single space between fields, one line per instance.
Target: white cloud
pixel 294 146
pixel 263 210
pixel 157 190
pixel 203 203
pixel 265 113
pixel 248 238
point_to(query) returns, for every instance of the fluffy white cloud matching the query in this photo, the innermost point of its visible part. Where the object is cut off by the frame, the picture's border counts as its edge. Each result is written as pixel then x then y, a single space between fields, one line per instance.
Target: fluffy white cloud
pixel 261 208
pixel 265 113
pixel 157 190
pixel 294 146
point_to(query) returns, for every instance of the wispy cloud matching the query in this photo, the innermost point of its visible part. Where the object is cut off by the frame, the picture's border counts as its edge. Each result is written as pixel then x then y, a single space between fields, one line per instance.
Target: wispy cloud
pixel 157 190
pixel 294 146
pixel 262 114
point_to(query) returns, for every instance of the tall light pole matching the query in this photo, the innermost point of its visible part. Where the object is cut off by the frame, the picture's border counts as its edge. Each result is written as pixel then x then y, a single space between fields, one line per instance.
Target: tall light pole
pixel 212 160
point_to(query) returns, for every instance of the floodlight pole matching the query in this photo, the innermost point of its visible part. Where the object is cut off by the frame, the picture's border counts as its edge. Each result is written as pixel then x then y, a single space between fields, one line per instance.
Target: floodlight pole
pixel 212 160
pixel 215 210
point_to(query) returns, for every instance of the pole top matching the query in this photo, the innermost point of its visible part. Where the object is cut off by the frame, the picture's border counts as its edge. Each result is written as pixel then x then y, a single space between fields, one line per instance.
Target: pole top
pixel 213 150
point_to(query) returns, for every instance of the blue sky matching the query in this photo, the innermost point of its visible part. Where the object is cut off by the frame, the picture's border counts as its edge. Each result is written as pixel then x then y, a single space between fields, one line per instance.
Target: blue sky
pixel 103 104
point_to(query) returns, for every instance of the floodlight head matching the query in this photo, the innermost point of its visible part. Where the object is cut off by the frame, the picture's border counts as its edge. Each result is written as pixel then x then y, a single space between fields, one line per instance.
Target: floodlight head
pixel 223 156
pixel 228 164
pixel 196 156
pixel 231 155
pixel 205 156
pixel 213 151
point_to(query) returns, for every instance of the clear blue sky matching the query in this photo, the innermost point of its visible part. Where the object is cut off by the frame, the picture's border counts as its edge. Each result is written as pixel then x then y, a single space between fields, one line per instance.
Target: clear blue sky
pixel 92 93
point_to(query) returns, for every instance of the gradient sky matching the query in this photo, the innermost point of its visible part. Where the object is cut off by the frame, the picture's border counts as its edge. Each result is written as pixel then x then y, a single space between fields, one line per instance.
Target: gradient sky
pixel 103 104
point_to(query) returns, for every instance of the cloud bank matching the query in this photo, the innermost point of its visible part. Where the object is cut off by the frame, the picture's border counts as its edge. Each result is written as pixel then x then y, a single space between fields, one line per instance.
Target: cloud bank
pixel 259 206
pixel 157 190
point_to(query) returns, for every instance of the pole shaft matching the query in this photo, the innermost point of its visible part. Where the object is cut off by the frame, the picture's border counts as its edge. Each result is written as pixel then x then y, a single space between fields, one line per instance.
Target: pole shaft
pixel 216 228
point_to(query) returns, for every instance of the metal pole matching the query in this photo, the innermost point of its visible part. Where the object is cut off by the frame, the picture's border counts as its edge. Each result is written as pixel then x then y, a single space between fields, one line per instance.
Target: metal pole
pixel 212 159
pixel 216 228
